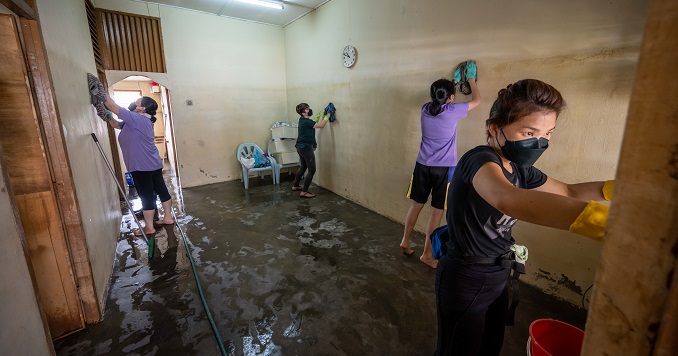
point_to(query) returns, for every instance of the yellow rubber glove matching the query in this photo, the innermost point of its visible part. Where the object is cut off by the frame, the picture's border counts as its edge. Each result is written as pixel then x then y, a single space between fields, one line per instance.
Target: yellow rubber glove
pixel 317 117
pixel 592 220
pixel 608 187
pixel 326 117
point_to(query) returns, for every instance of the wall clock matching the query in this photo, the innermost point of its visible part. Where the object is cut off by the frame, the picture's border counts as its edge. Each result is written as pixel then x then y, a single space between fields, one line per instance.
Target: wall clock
pixel 350 55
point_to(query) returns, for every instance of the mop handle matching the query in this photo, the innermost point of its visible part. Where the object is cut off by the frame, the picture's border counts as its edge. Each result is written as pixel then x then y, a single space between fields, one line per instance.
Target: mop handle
pixel 122 191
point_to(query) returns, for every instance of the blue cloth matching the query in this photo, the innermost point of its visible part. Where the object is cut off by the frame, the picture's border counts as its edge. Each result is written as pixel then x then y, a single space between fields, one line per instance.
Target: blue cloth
pixel 260 160
pixel 439 239
pixel 330 109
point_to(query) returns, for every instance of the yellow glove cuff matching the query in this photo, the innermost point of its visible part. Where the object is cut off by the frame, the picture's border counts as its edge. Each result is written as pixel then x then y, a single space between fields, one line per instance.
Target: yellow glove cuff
pixel 608 187
pixel 327 117
pixel 592 220
pixel 317 117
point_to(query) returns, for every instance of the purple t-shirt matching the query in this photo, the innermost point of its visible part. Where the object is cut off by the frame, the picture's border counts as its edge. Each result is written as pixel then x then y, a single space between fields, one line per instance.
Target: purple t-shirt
pixel 439 135
pixel 137 142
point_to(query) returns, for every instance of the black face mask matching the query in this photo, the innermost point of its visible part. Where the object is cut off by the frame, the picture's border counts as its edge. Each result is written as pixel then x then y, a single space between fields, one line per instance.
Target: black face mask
pixel 132 106
pixel 310 112
pixel 524 152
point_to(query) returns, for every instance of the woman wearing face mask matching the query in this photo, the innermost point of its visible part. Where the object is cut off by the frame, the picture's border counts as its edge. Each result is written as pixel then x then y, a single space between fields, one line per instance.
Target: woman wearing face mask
pixel 492 188
pixel 141 156
pixel 306 144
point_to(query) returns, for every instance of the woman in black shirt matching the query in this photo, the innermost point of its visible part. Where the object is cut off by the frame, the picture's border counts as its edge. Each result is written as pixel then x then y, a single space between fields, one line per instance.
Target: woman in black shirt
pixel 492 188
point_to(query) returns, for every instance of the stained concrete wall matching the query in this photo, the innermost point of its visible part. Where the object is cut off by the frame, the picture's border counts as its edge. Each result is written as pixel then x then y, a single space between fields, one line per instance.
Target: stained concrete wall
pixel 22 329
pixel 234 71
pixel 588 50
pixel 69 54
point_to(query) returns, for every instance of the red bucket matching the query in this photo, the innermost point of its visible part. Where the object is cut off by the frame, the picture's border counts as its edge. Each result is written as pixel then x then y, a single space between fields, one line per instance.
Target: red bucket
pixel 550 337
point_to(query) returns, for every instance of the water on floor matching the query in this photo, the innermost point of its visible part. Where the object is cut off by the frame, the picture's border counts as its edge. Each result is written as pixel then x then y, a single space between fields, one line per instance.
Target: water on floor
pixel 282 276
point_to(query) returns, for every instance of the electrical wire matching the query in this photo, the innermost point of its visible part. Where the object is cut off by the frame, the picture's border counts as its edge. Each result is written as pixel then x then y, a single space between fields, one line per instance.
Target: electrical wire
pixel 220 342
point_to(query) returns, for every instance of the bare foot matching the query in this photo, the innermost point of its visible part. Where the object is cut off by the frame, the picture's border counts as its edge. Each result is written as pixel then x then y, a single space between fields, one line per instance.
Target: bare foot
pixel 165 221
pixel 137 232
pixel 307 195
pixel 433 263
pixel 296 188
pixel 406 248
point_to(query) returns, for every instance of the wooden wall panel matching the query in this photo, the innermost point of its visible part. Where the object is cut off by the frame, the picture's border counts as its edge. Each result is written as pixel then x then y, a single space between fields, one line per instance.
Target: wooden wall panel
pixel 132 42
pixel 49 258
pixel 19 132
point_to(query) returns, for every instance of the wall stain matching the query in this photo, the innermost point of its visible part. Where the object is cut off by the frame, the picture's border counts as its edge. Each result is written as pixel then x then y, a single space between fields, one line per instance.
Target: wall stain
pixel 207 174
pixel 563 281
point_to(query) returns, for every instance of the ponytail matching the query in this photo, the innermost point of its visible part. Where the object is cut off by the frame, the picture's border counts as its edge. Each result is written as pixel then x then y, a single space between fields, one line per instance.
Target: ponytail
pixel 441 90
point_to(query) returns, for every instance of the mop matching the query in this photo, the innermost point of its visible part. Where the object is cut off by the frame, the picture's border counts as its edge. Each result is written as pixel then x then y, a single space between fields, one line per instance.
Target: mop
pixel 150 242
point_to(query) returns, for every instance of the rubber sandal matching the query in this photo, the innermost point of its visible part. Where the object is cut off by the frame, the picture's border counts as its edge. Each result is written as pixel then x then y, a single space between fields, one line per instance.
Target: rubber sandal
pixel 308 195
pixel 297 188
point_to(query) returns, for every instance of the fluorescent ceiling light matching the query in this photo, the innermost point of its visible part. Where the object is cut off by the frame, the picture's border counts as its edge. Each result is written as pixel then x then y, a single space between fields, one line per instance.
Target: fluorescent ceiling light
pixel 271 4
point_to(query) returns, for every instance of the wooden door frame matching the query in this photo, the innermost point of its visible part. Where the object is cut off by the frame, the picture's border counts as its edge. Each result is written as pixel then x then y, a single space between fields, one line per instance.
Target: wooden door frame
pixel 174 138
pixel 59 165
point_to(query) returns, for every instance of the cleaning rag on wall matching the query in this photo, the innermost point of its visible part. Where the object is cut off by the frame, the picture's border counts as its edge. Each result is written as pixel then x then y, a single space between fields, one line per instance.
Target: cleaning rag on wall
pixel 97 96
pixel 331 110
pixel 464 72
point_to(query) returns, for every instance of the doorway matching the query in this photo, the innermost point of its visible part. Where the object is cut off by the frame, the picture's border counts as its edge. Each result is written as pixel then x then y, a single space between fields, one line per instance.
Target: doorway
pixel 132 87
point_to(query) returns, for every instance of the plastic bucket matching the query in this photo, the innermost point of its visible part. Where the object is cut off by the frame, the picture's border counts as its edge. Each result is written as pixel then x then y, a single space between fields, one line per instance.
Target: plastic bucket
pixel 550 337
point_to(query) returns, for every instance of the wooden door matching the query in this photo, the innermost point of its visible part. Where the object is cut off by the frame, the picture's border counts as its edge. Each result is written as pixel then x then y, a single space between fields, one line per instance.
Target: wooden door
pixel 31 181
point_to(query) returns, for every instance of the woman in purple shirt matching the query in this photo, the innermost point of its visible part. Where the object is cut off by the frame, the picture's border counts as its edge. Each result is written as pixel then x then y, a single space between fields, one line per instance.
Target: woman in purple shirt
pixel 141 156
pixel 436 161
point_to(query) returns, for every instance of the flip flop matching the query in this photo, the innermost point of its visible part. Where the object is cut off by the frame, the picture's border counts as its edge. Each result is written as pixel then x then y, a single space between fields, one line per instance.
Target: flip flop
pixel 307 195
pixel 297 188
pixel 163 224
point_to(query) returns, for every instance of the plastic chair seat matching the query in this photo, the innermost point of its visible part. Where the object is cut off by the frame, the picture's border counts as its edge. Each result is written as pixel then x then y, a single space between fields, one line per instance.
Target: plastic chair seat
pixel 246 150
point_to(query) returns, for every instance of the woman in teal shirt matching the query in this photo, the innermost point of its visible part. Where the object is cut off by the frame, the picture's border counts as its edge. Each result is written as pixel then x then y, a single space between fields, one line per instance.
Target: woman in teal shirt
pixel 305 146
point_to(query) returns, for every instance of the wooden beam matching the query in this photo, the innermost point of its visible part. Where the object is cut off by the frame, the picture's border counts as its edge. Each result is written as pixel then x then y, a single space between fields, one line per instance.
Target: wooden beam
pixel 636 275
pixel 21 8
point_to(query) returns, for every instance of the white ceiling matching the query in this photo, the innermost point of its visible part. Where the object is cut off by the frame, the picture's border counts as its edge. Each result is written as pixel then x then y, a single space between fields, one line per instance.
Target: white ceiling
pixel 293 9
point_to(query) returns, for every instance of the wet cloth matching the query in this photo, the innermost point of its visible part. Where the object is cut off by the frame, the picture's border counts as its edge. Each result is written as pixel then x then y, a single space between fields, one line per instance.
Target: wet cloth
pixel 137 142
pixel 331 110
pixel 439 135
pixel 97 92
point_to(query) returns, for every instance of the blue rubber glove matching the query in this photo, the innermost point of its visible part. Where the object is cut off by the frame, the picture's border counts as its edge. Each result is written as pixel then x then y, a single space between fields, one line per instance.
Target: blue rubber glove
pixel 471 70
pixel 457 75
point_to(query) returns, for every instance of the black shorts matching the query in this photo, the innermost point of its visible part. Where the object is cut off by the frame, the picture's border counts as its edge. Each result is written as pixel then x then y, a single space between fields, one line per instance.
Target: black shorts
pixel 149 184
pixel 430 180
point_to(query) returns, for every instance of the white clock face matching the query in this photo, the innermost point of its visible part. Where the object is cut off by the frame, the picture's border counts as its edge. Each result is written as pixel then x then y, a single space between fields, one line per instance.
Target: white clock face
pixel 349 56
